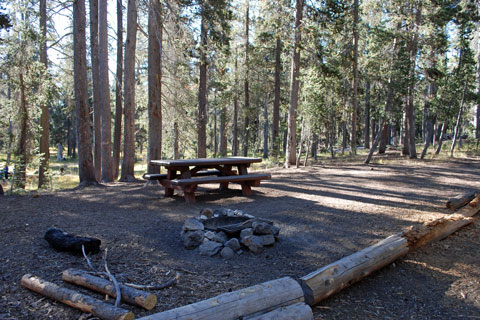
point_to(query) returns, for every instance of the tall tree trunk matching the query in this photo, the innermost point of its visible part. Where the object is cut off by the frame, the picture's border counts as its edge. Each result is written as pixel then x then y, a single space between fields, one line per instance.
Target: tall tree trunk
pixel 294 86
pixel 155 50
pixel 44 118
pixel 86 170
pixel 246 82
pixel 215 128
pixel 477 117
pixel 366 127
pixel 265 128
pixel 440 139
pixel 411 90
pixel 235 111
pixel 22 148
pixel 428 136
pixel 176 153
pixel 97 104
pixel 128 163
pixel 353 139
pixel 459 120
pixel 223 132
pixel 276 98
pixel 202 91
pixel 117 131
pixel 405 135
pixel 107 161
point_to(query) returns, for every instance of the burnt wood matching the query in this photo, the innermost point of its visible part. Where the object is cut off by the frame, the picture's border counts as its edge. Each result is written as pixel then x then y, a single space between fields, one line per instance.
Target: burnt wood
pixel 63 241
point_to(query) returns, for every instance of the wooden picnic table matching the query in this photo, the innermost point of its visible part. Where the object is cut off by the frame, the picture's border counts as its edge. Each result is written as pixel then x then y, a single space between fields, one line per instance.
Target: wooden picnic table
pixel 187 174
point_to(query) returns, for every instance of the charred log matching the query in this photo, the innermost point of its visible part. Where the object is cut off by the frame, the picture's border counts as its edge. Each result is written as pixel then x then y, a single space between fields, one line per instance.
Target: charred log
pixel 63 241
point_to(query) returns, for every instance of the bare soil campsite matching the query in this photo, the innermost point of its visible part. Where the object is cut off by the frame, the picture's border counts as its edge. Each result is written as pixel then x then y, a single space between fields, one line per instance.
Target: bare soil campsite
pixel 325 212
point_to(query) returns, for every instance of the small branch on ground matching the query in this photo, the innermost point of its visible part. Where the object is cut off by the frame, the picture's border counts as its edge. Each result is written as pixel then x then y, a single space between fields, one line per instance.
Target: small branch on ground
pixel 160 286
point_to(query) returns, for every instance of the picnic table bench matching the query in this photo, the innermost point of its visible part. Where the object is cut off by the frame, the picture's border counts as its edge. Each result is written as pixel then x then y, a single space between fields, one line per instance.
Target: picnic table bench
pixel 187 174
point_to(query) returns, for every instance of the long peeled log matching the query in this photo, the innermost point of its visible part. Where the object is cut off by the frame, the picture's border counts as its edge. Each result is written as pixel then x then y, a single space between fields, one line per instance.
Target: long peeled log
pixel 253 300
pixel 129 295
pixel 460 201
pixel 297 311
pixel 334 277
pixel 75 299
pixel 435 230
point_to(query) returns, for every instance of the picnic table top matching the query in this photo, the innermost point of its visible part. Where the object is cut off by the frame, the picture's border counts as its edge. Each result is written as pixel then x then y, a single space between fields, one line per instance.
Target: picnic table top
pixel 205 161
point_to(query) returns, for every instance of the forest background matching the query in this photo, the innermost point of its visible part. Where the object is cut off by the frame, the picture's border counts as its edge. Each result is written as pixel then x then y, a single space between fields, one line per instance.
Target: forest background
pixel 118 84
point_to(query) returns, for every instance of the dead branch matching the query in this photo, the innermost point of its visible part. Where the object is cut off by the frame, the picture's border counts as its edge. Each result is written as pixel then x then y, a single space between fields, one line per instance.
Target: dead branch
pixel 169 283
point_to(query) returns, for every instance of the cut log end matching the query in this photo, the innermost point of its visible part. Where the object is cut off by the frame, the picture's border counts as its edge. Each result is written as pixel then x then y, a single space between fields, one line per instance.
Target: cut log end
pixel 460 201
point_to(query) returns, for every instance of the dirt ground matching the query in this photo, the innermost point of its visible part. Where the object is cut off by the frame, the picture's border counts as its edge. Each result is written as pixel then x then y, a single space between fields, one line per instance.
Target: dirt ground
pixel 326 211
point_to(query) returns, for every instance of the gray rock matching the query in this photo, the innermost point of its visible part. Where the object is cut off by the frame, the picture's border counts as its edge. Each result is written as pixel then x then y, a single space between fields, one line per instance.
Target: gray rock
pixel 210 248
pixel 233 243
pixel 220 237
pixel 223 212
pixel 263 228
pixel 246 232
pixel 192 224
pixel 192 239
pixel 202 218
pixel 207 212
pixel 268 240
pixel 238 213
pixel 253 243
pixel 227 253
pixel 210 235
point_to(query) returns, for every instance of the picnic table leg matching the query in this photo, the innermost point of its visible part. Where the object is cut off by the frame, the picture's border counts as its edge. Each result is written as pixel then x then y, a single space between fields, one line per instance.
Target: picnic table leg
pixel 246 189
pixel 224 185
pixel 189 193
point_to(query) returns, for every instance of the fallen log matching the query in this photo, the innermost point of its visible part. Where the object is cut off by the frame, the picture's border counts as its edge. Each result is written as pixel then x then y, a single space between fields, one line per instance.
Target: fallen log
pixel 460 201
pixel 435 230
pixel 253 300
pixel 75 299
pixel 297 311
pixel 63 241
pixel 471 209
pixel 336 276
pixel 130 295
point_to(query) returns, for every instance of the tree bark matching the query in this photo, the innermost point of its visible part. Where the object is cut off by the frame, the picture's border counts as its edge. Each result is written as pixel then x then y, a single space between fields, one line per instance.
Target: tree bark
pixel 223 131
pixel 176 153
pixel 22 148
pixel 97 104
pixel 155 48
pixel 86 170
pixel 440 139
pixel 459 120
pixel 107 161
pixel 246 83
pixel 265 127
pixel 375 142
pixel 276 98
pixel 128 163
pixel 235 111
pixel 117 131
pixel 411 90
pixel 202 90
pixel 45 117
pixel 366 127
pixel 353 139
pixel 74 299
pixel 294 88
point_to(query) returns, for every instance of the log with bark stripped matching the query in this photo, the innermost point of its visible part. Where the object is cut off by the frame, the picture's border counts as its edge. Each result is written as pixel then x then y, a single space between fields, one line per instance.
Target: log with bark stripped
pixel 253 300
pixel 460 201
pixel 130 295
pixel 334 277
pixel 75 299
pixel 297 311
pixel 435 230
